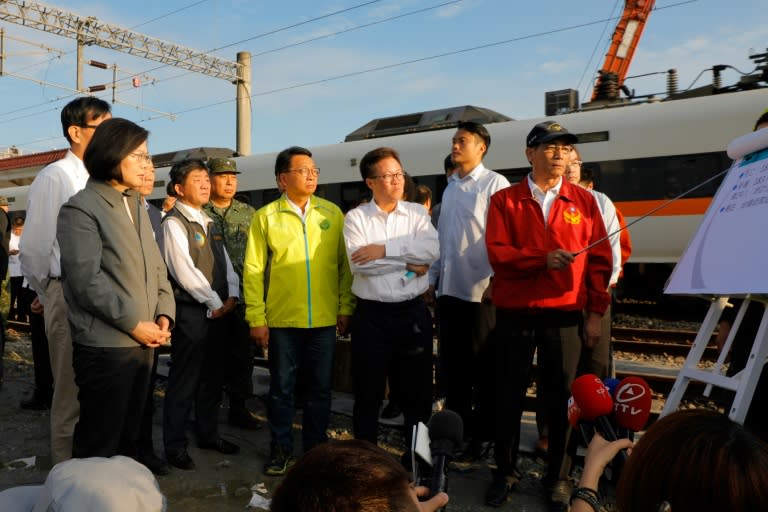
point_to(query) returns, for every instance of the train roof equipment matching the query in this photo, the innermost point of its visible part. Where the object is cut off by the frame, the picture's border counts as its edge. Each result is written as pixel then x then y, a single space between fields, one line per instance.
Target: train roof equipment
pixel 425 121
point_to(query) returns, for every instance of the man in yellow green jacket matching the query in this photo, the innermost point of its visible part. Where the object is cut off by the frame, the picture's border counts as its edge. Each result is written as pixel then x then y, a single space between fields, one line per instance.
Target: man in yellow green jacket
pixel 296 281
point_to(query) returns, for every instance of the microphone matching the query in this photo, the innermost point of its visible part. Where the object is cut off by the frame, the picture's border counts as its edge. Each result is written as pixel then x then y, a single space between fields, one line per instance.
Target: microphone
pixel 611 383
pixel 632 405
pixel 595 403
pixel 574 419
pixel 446 433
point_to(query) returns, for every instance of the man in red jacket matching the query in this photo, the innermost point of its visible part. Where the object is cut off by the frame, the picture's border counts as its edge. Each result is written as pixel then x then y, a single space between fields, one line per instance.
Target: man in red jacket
pixel 540 235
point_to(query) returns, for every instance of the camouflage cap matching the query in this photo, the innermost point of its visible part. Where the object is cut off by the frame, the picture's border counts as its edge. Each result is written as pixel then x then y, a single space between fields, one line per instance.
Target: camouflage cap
pixel 3 201
pixel 222 166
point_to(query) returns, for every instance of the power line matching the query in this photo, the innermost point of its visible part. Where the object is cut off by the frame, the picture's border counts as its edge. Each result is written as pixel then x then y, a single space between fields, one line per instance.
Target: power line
pixel 63 54
pixel 420 59
pixel 169 14
pixel 294 25
pixel 325 36
pixel 597 45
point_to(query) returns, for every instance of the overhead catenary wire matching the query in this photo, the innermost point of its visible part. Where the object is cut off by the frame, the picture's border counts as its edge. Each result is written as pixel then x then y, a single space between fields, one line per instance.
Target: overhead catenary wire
pixel 420 59
pixel 264 34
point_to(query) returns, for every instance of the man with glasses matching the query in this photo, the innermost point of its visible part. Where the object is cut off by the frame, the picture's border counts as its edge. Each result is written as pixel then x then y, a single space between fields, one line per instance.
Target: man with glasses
pixel 390 243
pixel 39 254
pixel 551 259
pixel 233 220
pixel 296 282
pixel 463 278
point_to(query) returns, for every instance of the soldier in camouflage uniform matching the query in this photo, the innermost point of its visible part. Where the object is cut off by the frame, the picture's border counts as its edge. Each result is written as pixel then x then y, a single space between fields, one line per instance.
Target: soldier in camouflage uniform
pixel 233 218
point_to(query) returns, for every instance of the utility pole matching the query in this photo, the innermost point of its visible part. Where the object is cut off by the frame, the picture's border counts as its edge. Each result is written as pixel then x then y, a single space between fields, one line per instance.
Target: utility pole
pixel 89 30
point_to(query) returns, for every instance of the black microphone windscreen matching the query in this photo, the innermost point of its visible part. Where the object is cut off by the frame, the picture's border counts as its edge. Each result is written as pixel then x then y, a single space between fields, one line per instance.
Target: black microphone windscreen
pixel 446 428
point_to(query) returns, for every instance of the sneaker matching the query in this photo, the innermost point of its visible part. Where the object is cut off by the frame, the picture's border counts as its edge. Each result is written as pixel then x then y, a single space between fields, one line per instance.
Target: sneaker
pixel 560 495
pixel 280 460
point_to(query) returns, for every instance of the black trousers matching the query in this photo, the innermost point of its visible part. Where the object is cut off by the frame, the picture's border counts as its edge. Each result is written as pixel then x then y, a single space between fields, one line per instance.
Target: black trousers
pixel 112 385
pixel 464 363
pixel 512 344
pixel 18 309
pixel 145 443
pixel 196 377
pixel 392 339
pixel 235 336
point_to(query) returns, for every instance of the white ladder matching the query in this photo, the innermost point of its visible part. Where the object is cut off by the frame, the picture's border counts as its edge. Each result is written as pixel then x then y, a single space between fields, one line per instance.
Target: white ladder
pixel 744 382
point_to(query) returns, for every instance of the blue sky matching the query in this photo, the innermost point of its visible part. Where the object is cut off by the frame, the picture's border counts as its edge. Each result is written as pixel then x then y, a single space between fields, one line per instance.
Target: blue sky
pixel 541 53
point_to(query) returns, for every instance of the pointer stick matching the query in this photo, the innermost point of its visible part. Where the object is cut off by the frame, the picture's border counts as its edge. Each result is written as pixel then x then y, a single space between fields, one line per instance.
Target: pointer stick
pixel 654 210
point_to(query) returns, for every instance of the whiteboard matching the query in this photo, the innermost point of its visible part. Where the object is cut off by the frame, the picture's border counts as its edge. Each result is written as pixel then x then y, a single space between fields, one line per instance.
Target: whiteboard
pixel 728 255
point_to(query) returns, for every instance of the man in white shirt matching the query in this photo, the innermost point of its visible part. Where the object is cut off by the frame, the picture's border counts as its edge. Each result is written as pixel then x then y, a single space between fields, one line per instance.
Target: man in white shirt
pixel 18 310
pixel 463 275
pixel 390 245
pixel 206 289
pixel 39 253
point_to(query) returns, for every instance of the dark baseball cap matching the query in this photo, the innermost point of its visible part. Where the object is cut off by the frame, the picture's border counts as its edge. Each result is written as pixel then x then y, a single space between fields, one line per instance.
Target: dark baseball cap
pixel 548 131
pixel 222 166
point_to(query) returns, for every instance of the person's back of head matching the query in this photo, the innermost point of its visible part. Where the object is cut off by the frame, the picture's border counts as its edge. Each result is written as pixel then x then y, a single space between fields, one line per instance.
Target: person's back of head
pixel 695 460
pixel 97 484
pixel 345 476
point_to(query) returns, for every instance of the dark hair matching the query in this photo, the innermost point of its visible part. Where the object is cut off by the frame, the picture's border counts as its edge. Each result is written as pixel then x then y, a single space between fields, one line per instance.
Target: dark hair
pixel 375 156
pixel 695 459
pixel 18 221
pixel 423 194
pixel 180 171
pixel 283 160
pixel 345 476
pixel 761 120
pixel 479 130
pixel 587 174
pixel 112 141
pixel 81 111
pixel 448 164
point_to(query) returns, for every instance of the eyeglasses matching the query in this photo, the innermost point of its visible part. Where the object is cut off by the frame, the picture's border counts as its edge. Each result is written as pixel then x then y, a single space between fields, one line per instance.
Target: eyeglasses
pixel 551 148
pixel 307 171
pixel 142 157
pixel 575 163
pixel 389 178
pixel 91 126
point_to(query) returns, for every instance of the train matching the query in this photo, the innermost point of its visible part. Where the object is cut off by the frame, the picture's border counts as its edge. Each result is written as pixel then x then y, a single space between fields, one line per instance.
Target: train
pixel 643 154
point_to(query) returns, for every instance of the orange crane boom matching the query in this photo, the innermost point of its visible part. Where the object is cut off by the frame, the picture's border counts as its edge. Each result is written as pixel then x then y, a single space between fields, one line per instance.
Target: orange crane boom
pixel 623 45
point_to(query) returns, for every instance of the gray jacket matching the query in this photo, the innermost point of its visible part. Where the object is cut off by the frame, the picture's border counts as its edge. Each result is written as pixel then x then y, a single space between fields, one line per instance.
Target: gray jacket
pixel 112 272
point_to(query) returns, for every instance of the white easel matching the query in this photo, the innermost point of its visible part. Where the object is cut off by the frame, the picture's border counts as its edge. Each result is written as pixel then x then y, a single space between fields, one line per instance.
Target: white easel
pixel 744 382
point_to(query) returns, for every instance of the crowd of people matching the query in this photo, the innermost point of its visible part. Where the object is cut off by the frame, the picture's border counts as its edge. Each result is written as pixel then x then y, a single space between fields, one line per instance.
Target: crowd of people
pixel 504 272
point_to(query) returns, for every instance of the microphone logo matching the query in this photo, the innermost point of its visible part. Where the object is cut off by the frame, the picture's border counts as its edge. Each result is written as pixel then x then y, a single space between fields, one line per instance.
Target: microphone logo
pixel 628 397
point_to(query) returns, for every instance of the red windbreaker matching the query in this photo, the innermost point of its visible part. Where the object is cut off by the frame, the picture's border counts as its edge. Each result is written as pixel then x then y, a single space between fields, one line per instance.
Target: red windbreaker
pixel 518 242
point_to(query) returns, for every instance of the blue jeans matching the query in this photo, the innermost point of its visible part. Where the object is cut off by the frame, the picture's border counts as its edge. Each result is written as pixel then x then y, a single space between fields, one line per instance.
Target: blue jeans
pixel 310 351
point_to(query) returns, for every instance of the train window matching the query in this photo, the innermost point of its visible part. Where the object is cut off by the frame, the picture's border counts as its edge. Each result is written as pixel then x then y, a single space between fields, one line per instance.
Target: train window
pixel 644 179
pixel 514 175
pixel 586 138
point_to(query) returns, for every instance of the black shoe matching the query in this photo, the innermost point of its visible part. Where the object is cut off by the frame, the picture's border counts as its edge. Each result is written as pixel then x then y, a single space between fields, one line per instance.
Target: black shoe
pixel 155 464
pixel 280 460
pixel 244 419
pixel 497 492
pixel 474 451
pixel 35 404
pixel 180 459
pixel 220 445
pixel 391 411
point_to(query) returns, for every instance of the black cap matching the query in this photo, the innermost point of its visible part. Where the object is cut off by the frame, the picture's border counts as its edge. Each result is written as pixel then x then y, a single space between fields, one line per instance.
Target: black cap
pixel 549 131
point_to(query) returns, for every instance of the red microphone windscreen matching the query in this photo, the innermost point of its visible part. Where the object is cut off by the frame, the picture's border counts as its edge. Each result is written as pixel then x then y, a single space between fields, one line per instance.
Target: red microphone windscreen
pixel 592 397
pixel 574 413
pixel 632 403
